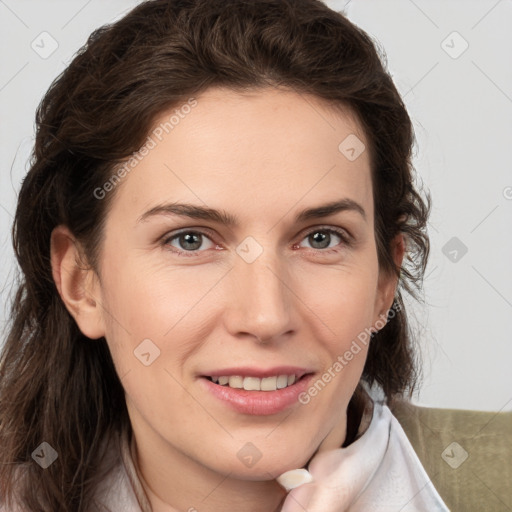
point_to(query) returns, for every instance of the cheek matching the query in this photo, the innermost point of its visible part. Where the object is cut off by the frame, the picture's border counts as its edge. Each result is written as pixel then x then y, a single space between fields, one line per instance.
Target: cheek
pixel 344 309
pixel 168 307
pixel 344 358
pixel 151 301
pixel 344 301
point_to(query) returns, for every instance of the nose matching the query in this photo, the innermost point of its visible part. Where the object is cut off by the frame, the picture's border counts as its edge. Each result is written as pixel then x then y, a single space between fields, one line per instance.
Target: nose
pixel 260 300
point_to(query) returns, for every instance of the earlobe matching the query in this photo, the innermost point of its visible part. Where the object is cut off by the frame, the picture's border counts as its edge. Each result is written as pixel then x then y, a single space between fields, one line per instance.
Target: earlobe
pixel 388 283
pixel 77 284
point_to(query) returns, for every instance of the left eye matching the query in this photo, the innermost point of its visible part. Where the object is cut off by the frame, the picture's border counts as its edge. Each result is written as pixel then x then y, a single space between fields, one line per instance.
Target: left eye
pixel 190 241
pixel 319 237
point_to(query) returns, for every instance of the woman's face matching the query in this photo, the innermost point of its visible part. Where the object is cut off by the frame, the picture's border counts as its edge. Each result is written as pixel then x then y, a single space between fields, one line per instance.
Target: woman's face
pixel 274 293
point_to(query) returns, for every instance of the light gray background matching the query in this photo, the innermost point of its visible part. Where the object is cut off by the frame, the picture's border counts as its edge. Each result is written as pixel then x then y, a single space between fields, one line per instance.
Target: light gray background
pixel 461 106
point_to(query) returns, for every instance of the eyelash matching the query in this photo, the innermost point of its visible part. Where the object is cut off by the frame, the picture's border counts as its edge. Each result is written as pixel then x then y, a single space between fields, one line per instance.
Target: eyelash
pixel 345 240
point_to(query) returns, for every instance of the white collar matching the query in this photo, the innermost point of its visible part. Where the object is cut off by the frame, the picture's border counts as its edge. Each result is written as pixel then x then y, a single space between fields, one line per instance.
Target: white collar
pixel 379 472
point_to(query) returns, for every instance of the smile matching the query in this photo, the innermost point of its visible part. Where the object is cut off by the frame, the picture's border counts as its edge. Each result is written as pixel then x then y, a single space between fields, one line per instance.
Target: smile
pixel 246 392
pixel 255 383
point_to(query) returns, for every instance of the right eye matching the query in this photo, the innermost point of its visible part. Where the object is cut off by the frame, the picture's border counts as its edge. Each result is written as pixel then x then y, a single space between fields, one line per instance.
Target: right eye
pixel 189 241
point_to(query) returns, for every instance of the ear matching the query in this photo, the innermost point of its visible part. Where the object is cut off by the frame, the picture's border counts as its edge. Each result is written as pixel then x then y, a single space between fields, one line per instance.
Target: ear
pixel 78 286
pixel 388 282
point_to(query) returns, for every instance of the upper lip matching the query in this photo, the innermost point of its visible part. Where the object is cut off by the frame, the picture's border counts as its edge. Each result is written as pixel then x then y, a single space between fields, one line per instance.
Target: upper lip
pixel 249 371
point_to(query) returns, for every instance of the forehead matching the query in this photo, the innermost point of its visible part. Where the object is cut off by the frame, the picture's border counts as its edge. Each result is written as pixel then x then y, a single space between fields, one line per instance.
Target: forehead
pixel 263 148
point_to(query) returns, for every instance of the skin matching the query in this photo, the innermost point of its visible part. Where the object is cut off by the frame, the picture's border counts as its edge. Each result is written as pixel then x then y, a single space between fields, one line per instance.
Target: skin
pixel 263 157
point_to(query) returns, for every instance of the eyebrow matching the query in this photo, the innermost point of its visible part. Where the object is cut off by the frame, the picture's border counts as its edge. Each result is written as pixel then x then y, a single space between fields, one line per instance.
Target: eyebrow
pixel 223 217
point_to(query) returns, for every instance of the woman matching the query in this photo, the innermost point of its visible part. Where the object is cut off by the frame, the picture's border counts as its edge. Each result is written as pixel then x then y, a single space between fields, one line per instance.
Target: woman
pixel 215 221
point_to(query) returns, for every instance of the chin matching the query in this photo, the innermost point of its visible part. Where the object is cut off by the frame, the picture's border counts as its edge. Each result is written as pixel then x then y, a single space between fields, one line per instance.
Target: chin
pixel 264 468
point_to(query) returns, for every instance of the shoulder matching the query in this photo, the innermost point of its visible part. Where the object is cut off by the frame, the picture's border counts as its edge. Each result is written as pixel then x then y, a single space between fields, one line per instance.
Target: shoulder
pixel 115 491
pixel 467 454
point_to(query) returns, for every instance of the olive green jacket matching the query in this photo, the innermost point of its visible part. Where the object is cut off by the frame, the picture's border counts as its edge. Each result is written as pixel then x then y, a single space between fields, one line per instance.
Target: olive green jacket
pixel 467 454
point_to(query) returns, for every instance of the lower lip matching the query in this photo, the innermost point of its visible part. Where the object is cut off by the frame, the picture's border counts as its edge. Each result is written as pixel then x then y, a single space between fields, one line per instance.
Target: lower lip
pixel 259 403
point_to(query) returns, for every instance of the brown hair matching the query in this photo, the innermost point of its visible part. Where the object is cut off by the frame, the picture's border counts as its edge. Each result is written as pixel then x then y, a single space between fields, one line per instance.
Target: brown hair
pixel 58 386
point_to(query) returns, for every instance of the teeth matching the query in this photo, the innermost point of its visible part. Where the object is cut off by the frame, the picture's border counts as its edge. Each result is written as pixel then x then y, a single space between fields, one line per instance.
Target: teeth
pixel 254 383
pixel 269 384
pixel 282 381
pixel 236 382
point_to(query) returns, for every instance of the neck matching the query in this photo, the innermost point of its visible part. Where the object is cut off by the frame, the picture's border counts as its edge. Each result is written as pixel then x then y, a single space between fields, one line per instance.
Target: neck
pixel 173 490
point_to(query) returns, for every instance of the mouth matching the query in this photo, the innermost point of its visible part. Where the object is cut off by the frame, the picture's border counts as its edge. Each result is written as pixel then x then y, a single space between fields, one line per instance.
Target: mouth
pixel 272 383
pixel 270 392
